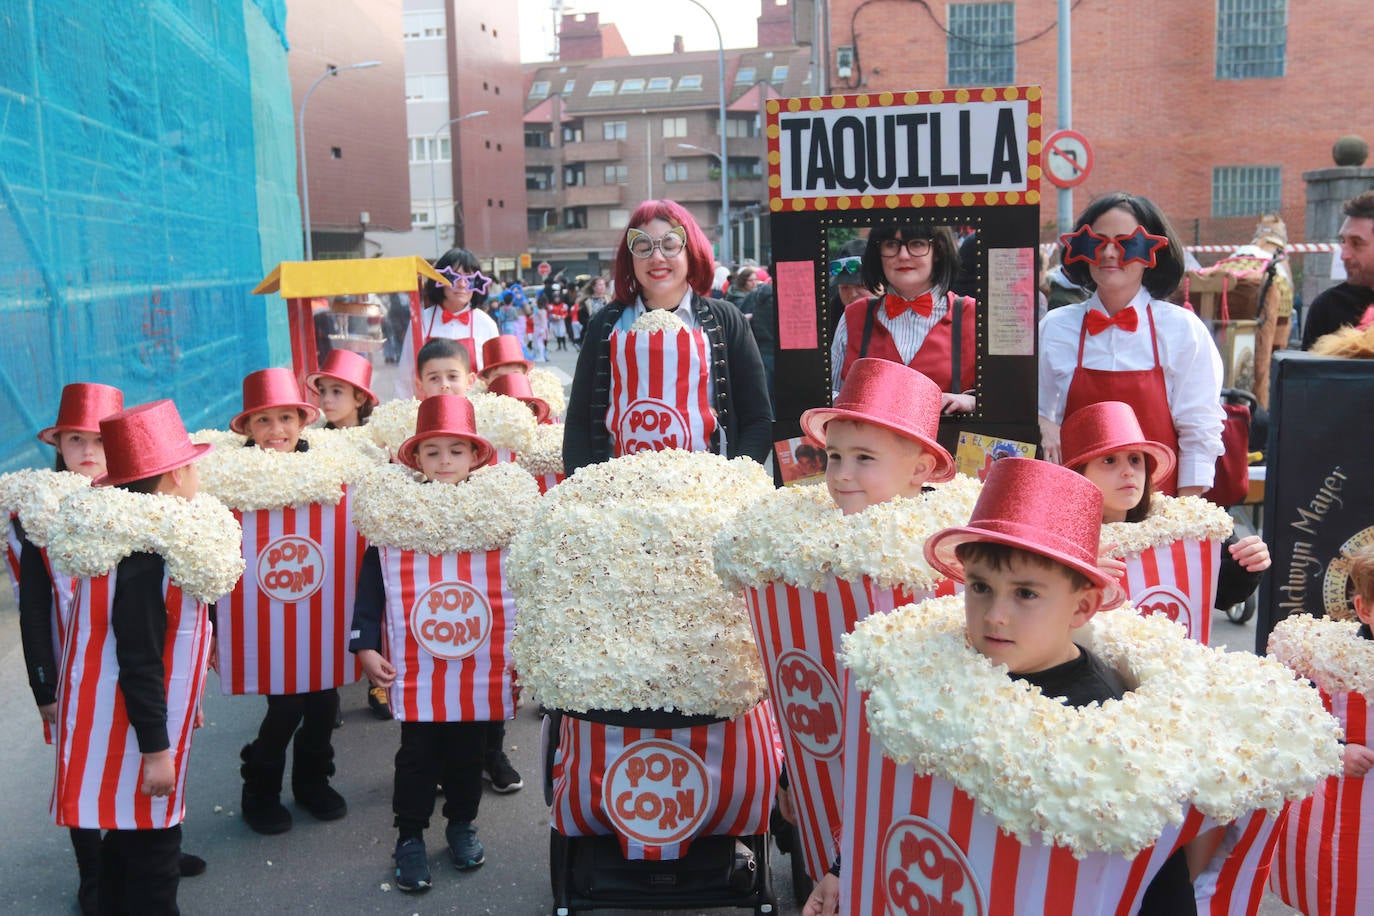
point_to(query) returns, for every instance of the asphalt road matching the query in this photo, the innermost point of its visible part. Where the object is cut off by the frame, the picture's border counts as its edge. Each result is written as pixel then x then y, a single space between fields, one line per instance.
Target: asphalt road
pixel 343 867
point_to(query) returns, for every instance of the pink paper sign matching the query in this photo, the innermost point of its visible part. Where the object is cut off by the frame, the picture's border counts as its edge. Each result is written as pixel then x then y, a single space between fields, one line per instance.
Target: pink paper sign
pixel 796 297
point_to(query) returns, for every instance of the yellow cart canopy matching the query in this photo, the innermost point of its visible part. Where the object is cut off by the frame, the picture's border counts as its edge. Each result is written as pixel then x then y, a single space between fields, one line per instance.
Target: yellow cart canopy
pixel 312 279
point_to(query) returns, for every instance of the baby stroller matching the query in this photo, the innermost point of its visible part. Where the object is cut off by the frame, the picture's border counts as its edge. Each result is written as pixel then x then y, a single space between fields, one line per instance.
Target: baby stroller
pixel 601 860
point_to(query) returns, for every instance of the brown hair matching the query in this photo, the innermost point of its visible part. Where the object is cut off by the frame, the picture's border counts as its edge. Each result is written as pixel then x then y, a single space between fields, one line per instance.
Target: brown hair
pixel 1361 572
pixel 999 557
pixel 147 485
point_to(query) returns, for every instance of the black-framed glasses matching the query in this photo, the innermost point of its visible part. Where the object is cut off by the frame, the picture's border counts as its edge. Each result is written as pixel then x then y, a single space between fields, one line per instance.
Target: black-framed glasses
pixel 849 267
pixel 642 245
pixel 917 248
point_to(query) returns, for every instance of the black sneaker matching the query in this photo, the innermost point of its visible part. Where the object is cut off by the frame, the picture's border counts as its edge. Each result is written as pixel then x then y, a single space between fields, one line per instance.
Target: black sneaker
pixel 412 868
pixel 463 846
pixel 377 702
pixel 501 774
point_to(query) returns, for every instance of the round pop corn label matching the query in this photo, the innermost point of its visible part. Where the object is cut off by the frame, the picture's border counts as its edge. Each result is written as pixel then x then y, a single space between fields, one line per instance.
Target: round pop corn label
pixel 1168 601
pixel 657 792
pixel 451 620
pixel 649 424
pixel 809 700
pixel 291 568
pixel 925 872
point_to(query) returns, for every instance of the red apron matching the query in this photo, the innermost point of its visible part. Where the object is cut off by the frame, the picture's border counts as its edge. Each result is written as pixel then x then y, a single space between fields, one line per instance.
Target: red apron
pixel 465 341
pixel 1144 389
pixel 934 358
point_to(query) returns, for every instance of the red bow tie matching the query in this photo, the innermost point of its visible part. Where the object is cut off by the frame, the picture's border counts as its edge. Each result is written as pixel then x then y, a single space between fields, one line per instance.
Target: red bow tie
pixel 1126 319
pixel 462 317
pixel 922 305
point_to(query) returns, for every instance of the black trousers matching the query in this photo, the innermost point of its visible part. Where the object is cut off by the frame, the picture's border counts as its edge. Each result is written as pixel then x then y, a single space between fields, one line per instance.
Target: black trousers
pixel 437 753
pixel 140 871
pixel 313 712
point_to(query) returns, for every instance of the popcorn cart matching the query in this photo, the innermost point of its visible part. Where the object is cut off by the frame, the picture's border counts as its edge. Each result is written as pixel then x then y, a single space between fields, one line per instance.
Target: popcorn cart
pixel 351 318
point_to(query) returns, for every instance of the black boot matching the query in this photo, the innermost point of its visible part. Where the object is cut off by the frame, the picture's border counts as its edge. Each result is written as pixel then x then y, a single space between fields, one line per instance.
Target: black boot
pixel 86 845
pixel 261 804
pixel 310 772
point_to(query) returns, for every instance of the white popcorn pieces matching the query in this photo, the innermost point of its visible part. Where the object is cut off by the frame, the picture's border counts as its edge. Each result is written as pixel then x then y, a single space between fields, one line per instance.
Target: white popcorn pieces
pixel 548 389
pixel 545 453
pixel 393 507
pixel 35 495
pixel 504 422
pixel 658 320
pixel 1329 653
pixel 200 540
pixel 1104 777
pixel 393 423
pixel 619 605
pixel 797 535
pixel 1170 519
pixel 253 479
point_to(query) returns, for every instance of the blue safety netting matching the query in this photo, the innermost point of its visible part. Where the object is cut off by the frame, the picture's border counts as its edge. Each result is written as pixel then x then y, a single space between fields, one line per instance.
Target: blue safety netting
pixel 147 183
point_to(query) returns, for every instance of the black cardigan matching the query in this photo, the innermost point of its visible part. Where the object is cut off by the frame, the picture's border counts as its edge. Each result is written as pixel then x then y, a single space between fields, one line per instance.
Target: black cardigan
pixel 741 391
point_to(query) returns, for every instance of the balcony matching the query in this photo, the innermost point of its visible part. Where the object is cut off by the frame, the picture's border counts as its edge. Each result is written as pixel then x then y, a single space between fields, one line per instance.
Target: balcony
pixel 595 151
pixel 543 200
pixel 575 240
pixel 542 156
pixel 594 195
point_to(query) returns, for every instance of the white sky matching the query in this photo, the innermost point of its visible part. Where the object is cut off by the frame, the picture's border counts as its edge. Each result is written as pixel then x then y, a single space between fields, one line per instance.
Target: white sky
pixel 647 27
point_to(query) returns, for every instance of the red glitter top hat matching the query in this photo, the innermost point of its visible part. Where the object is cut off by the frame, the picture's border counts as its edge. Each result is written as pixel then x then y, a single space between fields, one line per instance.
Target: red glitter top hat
pixel 892 396
pixel 446 415
pixel 1039 507
pixel 83 406
pixel 348 367
pixel 144 441
pixel 516 385
pixel 1111 426
pixel 504 350
pixel 269 388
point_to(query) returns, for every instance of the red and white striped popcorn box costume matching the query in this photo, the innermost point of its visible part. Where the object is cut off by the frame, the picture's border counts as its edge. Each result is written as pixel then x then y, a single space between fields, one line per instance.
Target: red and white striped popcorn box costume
pixel 99 766
pixel 64 588
pixel 1323 846
pixel 798 633
pixel 922 845
pixel 658 789
pixel 660 396
pixel 547 482
pixel 284 629
pixel 448 624
pixel 1178 580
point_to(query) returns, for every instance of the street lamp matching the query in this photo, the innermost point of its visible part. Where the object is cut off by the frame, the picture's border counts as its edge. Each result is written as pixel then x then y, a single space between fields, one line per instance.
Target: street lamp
pixel 329 70
pixel 724 185
pixel 433 145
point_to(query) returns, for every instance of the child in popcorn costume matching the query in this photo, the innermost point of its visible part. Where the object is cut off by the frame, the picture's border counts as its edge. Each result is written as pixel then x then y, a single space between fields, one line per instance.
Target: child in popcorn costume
pixel 443 367
pixel 1358 759
pixel 1028 561
pixel 273 417
pixel 447 696
pixel 131 682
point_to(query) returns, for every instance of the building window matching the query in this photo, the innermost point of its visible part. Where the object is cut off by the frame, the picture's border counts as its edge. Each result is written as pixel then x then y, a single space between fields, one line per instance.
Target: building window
pixel 419 26
pixel 739 127
pixel 569 86
pixel 689 83
pixel 539 220
pixel 613 130
pixel 744 76
pixel 779 73
pixel 617 174
pixel 674 171
pixel 575 176
pixel 428 149
pixel 536 138
pixel 1252 39
pixel 659 84
pixel 617 219
pixel 539 180
pixel 1245 190
pixel 745 168
pixel 572 133
pixel 980 44
pixel 631 86
pixel 421 218
pixel 674 127
pixel 575 218
pixel 539 89
pixel 426 87
pixel 603 87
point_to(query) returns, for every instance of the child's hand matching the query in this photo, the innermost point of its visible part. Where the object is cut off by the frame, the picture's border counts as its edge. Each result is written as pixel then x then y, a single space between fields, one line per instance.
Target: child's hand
pixel 1251 553
pixel 214 654
pixel 199 721
pixel 957 403
pixel 785 806
pixel 49 713
pixel 380 671
pixel 159 776
pixel 825 897
pixel 1112 566
pixel 1358 760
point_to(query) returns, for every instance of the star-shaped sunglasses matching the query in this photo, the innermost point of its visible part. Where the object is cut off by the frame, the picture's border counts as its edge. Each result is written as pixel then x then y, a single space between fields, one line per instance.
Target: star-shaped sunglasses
pixel 1087 246
pixel 476 281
